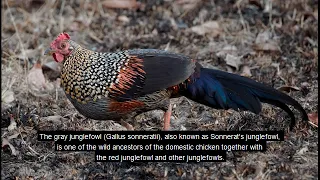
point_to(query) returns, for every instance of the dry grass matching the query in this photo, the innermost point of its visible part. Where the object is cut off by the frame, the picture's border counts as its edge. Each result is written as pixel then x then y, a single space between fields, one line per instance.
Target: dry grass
pixel 285 54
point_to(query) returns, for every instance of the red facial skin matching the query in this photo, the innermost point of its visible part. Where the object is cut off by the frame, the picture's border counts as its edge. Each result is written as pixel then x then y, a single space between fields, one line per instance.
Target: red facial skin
pixel 60 47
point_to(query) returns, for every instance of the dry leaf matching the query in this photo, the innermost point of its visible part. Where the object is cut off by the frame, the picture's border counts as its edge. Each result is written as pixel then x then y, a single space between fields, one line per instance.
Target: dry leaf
pixel 265 42
pixel 229 49
pixel 7 97
pixel 246 71
pixel 288 88
pixel 268 46
pixel 14 136
pixel 263 37
pixel 263 60
pixel 13 124
pixel 122 4
pixel 123 18
pixel 233 61
pixel 188 4
pixel 36 79
pixel 267 7
pixel 211 27
pixel 313 119
pixel 302 151
pixel 54 119
pixel 5 142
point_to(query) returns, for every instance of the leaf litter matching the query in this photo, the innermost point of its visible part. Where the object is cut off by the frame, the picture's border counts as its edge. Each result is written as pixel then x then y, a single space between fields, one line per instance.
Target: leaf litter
pixel 279 54
pixel 211 27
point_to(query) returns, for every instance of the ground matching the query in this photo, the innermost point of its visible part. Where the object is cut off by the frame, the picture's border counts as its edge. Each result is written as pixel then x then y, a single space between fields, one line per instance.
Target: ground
pixel 271 41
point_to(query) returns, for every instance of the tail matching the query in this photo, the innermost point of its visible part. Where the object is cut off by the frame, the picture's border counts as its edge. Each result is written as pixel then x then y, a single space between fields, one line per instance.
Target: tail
pixel 222 90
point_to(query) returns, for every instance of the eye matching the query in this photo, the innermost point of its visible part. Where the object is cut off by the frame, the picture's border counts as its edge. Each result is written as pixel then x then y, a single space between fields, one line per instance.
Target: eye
pixel 63 45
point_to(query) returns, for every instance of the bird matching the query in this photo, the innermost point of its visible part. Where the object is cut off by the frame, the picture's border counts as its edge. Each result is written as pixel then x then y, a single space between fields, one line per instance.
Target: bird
pixel 119 85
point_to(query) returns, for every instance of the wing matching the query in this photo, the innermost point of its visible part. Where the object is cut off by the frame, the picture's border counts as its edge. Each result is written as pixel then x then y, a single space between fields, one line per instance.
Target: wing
pixel 148 71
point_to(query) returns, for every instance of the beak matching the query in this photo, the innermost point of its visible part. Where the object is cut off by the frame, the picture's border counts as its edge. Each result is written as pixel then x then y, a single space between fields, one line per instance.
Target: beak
pixel 49 52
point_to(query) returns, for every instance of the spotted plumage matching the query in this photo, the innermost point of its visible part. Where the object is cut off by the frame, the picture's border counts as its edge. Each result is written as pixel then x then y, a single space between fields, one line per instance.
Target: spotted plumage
pixel 88 75
pixel 113 86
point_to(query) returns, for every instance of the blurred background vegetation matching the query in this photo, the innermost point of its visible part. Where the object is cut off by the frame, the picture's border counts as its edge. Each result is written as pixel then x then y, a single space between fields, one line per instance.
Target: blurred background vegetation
pixel 272 41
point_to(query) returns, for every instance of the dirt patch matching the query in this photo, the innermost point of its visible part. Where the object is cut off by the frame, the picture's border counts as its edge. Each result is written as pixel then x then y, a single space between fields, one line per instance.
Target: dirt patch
pixel 274 42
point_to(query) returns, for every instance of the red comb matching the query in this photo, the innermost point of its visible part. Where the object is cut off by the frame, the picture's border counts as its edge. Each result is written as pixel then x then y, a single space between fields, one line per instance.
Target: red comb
pixel 60 37
pixel 63 36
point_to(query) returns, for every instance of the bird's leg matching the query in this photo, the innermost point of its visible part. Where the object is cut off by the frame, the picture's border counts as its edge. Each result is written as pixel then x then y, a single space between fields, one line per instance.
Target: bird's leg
pixel 126 125
pixel 166 117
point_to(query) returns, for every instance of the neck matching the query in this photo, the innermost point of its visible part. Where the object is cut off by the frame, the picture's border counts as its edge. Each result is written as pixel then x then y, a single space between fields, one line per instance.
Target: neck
pixel 75 45
pixel 78 55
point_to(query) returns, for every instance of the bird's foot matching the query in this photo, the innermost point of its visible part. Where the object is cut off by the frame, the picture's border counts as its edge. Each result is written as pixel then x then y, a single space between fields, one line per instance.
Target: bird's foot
pixel 127 125
pixel 167 116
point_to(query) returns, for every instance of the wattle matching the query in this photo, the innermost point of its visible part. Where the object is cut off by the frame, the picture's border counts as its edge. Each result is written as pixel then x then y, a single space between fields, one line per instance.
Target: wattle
pixel 58 57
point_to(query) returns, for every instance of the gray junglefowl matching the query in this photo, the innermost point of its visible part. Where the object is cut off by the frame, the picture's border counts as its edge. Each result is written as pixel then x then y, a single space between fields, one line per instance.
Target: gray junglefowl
pixel 114 86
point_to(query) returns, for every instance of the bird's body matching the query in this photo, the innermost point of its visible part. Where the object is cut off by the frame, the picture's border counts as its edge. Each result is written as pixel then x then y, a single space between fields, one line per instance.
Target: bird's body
pixel 113 86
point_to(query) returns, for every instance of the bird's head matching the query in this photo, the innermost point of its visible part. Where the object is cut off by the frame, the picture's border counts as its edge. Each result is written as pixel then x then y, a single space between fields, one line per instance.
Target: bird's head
pixel 60 47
